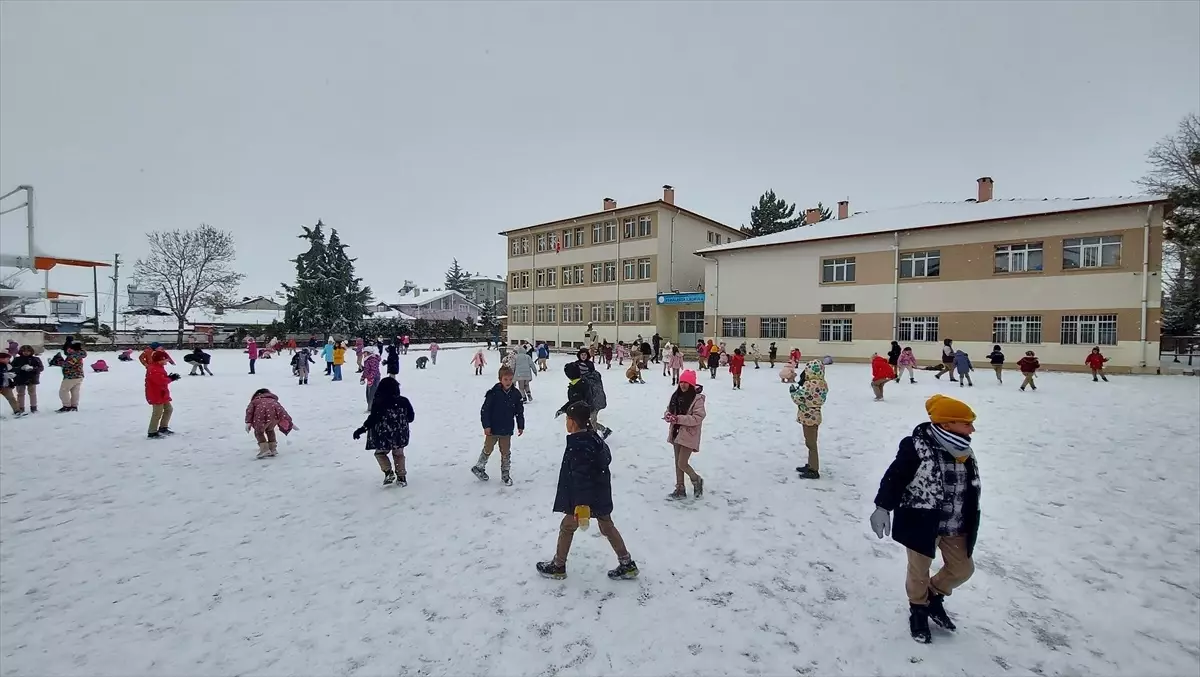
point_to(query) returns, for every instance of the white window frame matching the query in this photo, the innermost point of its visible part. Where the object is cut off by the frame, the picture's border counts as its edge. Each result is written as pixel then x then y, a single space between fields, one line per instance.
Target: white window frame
pixel 566 276
pixel 1088 330
pixel 598 232
pixel 919 264
pixel 610 271
pixel 629 228
pixel 541 242
pixel 515 282
pixel 610 311
pixel 597 312
pixel 610 231
pixel 643 312
pixel 551 314
pixel 836 330
pixel 772 327
pixel 516 246
pixel 645 226
pixel 580 272
pixel 568 238
pixel 643 266
pixel 1092 248
pixel 710 237
pixel 832 268
pixel 918 328
pixel 597 273
pixel 629 269
pixel 1017 329
pixel 733 327
pixel 628 310
pixel 1016 258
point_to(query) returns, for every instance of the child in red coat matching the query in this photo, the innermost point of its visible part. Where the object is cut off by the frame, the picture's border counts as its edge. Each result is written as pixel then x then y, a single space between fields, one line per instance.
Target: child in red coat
pixel 1029 366
pixel 1095 361
pixel 881 373
pixel 736 362
pixel 158 394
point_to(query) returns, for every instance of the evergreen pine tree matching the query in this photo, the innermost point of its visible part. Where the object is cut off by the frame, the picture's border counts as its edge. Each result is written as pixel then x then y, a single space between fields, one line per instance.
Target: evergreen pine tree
pixel 350 297
pixel 772 215
pixel 487 315
pixel 327 298
pixel 458 279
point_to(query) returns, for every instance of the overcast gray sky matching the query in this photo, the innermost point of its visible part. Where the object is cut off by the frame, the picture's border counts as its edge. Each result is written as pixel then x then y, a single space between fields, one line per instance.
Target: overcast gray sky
pixel 421 130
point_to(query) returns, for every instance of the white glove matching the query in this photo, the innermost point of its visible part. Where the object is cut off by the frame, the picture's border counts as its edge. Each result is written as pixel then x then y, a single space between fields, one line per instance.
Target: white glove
pixel 247 427
pixel 27 367
pixel 881 522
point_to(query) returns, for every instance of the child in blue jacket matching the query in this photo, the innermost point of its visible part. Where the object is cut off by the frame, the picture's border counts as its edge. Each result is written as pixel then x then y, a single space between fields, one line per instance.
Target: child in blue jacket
pixel 962 364
pixel 502 412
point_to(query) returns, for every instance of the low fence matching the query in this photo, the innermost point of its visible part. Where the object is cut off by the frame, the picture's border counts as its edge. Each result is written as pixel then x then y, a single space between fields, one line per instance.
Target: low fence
pixel 1179 353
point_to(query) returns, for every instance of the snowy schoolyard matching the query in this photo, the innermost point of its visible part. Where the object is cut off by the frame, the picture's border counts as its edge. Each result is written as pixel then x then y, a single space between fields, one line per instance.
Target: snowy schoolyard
pixel 185 556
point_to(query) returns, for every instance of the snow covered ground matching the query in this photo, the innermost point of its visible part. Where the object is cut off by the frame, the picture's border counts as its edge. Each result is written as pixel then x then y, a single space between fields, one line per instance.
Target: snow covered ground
pixel 185 556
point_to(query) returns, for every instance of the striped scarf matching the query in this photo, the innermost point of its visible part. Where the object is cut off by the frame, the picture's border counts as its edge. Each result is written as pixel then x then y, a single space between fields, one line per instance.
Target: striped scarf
pixel 959 446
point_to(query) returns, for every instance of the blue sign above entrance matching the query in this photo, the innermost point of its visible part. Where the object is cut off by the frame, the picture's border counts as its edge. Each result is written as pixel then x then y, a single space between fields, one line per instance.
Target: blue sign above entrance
pixel 680 299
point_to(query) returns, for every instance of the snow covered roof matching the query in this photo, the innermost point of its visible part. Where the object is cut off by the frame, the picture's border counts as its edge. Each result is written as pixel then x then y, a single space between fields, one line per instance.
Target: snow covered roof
pixel 203 316
pixel 410 299
pixel 931 215
pixel 391 314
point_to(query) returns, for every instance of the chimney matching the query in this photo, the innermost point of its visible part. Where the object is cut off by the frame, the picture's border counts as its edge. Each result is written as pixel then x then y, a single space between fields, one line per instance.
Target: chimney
pixel 986 186
pixel 843 209
pixel 609 204
pixel 811 216
pixel 669 195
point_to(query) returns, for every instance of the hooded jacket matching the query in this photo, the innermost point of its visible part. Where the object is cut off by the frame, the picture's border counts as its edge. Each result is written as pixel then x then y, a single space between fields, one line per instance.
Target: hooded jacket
pixel 584 477
pixel 689 424
pixel 880 369
pixel 810 394
pixel 265 411
pixel 27 377
pixel 499 408
pixel 962 363
pixel 158 384
pixel 523 366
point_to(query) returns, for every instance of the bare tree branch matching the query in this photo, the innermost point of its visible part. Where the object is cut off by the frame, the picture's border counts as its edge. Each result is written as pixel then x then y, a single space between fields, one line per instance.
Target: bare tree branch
pixel 188 266
pixel 1172 160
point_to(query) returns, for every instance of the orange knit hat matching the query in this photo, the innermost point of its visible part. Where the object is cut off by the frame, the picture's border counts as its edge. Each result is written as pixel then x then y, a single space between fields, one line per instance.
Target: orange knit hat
pixel 944 409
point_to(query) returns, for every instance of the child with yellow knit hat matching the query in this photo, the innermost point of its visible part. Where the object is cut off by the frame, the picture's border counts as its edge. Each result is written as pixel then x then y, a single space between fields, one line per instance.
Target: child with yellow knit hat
pixel 933 488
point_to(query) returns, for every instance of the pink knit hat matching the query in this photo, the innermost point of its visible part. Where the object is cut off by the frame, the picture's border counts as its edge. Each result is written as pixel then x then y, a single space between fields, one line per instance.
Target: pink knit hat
pixel 688 376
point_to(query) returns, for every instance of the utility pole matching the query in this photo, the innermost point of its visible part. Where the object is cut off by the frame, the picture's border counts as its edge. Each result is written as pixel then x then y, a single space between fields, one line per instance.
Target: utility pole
pixel 96 299
pixel 116 274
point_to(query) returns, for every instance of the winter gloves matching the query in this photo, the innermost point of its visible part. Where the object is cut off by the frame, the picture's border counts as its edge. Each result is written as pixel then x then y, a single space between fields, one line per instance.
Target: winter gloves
pixel 881 522
pixel 359 433
pixel 583 513
pixel 174 377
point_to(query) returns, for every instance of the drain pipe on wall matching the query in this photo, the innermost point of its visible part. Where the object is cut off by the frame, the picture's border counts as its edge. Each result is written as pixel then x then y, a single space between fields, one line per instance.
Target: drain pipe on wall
pixel 896 286
pixel 1145 278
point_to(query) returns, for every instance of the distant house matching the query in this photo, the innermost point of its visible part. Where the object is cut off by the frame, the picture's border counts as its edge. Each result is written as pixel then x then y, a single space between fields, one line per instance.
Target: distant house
pixel 256 303
pixel 439 304
pixel 490 290
pixel 58 315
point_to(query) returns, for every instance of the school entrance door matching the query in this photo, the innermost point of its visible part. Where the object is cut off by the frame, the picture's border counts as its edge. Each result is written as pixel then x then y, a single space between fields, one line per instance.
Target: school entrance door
pixel 691 327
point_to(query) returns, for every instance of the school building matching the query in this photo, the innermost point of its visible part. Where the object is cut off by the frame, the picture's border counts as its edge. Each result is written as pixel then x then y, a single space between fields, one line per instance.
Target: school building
pixel 628 271
pixel 1056 276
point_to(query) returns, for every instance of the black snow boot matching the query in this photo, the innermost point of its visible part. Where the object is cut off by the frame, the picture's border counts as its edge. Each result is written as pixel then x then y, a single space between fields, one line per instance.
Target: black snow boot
pixel 625 571
pixel 480 473
pixel 551 570
pixel 165 432
pixel 809 474
pixel 937 611
pixel 918 623
pixel 388 477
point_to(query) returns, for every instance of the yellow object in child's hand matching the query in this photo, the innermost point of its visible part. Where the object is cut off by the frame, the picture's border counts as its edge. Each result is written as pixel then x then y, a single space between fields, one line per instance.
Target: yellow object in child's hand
pixel 584 514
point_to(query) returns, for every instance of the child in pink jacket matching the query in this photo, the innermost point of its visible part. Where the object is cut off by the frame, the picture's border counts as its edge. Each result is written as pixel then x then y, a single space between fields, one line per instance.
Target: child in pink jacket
pixel 685 418
pixel 675 364
pixel 907 363
pixel 263 415
pixel 433 351
pixel 479 362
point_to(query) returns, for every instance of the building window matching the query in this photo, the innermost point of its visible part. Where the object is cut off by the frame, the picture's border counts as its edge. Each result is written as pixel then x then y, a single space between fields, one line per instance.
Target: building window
pixel 644 227
pixel 554 241
pixel 643 269
pixel 541 278
pixel 579 236
pixel 515 282
pixel 568 239
pixel 551 314
pixel 541 242
pixel 610 312
pixel 630 271
pixel 1018 258
pixel 516 246
pixel 1096 330
pixel 920 264
pixel 733 327
pixel 525 247
pixel 526 279
pixel 837 307
pixel 610 271
pixel 597 311
pixel 610 231
pixel 1017 329
pixel 627 312
pixel 597 233
pixel 643 312
pixel 546 277
pixel 1092 252
pixel 630 230
pixel 566 276
pixel 837 270
pixel 714 238
pixel 837 330
pixel 920 328
pixel 772 327
pixel 577 276
pixel 577 313
pixel 597 273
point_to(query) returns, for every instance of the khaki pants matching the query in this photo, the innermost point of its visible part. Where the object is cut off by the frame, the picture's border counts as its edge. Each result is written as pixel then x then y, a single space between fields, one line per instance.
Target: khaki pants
pixel 68 392
pixel 566 534
pixel 386 465
pixel 265 437
pixel 7 393
pixel 999 372
pixel 594 419
pixel 160 417
pixel 489 445
pixel 810 441
pixel 682 465
pixel 957 568
pixel 877 386
pixel 31 389
pixel 1027 381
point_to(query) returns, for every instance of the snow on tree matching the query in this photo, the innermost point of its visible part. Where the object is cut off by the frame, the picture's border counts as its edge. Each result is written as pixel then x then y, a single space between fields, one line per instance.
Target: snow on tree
pixel 487 315
pixel 327 298
pixel 1175 172
pixel 774 214
pixel 458 279
pixel 188 266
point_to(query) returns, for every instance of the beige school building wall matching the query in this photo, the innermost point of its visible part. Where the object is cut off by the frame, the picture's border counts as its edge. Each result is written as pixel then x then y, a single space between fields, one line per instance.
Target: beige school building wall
pixel 964 300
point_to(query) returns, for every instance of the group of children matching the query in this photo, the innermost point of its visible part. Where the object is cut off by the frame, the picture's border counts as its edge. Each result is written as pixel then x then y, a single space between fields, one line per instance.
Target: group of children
pixel 21 374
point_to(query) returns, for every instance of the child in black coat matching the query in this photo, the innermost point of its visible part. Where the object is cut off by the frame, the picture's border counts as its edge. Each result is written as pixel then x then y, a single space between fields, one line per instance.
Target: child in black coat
pixel 996 357
pixel 585 489
pixel 387 430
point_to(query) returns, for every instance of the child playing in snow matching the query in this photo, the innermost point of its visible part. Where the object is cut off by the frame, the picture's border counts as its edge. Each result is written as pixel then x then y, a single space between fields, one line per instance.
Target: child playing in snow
pixel 947 364
pixel 158 395
pixel 393 360
pixel 7 379
pixel 126 355
pixel 1095 361
pixel 479 362
pixel 809 396
pixel 339 359
pixel 622 353
pixel 675 363
pixel 736 362
pixel 685 420
pixel 199 361
pixel 996 357
pixel 370 374
pixel 359 344
pixel 523 371
pixel 724 356
pixel 1029 366
pixel 933 488
pixel 433 351
pixel 28 369
pixel 300 362
pixel 584 491
pixel 634 373
pixel 907 363
pixel 772 354
pixel 788 373
pixel 263 415
pixel 894 359
pixel 543 355
pixel 100 366
pixel 881 373
pixel 714 360
pixel 963 365
pixel 72 371
pixel 754 355
pixel 588 388
pixel 502 413
pixel 795 356
pixel 387 429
